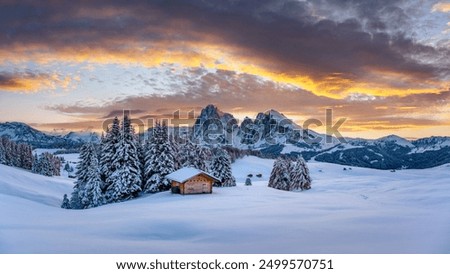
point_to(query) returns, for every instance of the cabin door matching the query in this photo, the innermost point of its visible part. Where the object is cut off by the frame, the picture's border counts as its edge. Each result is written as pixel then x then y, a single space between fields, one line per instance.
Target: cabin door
pixel 205 188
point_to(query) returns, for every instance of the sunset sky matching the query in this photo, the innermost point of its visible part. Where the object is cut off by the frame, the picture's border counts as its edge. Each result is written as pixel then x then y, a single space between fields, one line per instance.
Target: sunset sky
pixel 384 65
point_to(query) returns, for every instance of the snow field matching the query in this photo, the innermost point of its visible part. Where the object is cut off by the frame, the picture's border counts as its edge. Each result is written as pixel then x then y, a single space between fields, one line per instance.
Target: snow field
pixel 354 211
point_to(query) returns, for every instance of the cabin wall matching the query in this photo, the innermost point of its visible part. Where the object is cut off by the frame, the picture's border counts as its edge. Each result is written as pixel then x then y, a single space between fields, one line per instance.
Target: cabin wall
pixel 198 184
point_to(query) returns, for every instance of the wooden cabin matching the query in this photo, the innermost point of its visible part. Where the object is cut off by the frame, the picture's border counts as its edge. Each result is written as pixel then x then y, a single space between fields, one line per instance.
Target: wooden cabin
pixel 188 180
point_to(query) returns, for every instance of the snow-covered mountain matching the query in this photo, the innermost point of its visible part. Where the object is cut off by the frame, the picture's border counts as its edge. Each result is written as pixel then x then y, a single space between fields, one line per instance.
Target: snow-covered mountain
pixel 273 134
pixel 391 152
pixel 23 133
pixel 82 137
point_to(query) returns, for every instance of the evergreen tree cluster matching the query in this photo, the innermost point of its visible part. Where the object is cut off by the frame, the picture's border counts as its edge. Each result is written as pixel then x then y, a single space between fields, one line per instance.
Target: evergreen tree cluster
pixel 17 155
pixel 289 175
pixel 123 167
pixel 46 164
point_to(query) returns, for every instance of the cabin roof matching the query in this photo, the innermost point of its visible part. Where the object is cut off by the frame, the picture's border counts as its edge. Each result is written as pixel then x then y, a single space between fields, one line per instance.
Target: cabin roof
pixel 186 173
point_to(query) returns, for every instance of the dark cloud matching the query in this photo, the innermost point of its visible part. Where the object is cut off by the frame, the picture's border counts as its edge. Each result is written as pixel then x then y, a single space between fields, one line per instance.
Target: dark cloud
pixel 283 36
pixel 8 80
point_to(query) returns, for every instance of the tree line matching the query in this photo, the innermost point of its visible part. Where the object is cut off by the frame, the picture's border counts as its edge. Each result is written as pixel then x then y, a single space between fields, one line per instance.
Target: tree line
pixel 21 155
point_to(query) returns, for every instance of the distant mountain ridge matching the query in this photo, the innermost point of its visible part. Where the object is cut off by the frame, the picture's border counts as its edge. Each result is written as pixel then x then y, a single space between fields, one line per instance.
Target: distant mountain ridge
pixel 23 133
pixel 273 134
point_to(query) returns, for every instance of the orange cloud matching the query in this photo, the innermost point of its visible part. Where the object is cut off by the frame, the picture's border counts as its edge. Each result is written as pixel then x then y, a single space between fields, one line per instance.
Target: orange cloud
pixel 32 83
pixel 441 7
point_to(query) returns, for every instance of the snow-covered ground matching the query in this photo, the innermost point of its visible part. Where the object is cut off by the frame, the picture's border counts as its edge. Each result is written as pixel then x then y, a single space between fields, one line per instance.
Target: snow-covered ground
pixel 354 211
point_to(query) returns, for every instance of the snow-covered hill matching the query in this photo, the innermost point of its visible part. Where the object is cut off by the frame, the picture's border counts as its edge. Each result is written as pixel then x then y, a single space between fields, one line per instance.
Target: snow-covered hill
pixel 353 211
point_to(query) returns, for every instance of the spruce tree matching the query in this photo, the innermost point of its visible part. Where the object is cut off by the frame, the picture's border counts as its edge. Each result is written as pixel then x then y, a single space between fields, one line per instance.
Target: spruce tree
pixel 297 176
pixel 15 155
pixel 126 179
pixel 79 189
pixel 200 158
pixel 159 160
pixel 280 177
pixel 55 165
pixel 221 168
pixel 93 196
pixel 36 168
pixel 25 156
pixel 8 152
pixel 306 184
pixel 108 152
pixel 2 153
pixel 186 154
pixel 46 164
pixel 67 167
pixel 65 203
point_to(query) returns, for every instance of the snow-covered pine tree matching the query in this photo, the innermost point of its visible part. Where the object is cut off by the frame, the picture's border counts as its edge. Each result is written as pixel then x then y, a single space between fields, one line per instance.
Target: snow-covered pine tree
pixel 306 184
pixel 221 168
pixel 186 154
pixel 280 177
pixel 15 155
pixel 36 168
pixel 141 156
pixel 126 179
pixel 194 155
pixel 200 159
pixel 93 196
pixel 176 152
pixel 65 203
pixel 79 189
pixel 25 156
pixel 2 153
pixel 8 152
pixel 46 165
pixel 56 165
pixel 296 175
pixel 159 160
pixel 108 148
pixel 67 167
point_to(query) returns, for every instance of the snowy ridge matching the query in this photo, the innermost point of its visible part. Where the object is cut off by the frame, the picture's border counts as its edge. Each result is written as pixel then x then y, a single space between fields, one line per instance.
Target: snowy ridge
pixel 430 144
pixel 395 139
pixel 82 137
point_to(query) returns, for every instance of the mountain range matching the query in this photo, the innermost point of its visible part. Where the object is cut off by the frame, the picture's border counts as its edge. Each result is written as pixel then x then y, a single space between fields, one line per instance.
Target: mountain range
pixel 272 134
pixel 23 133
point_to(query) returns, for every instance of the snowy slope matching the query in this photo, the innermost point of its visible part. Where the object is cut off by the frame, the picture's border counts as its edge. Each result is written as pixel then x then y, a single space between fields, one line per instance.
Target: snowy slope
pixel 354 211
pixel 395 139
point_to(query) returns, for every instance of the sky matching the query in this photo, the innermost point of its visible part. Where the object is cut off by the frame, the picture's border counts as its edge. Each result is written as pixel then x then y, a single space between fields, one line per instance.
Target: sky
pixel 384 65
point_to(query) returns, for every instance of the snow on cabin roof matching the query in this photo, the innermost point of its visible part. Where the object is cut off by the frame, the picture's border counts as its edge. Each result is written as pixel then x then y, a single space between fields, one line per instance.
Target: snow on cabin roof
pixel 186 173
